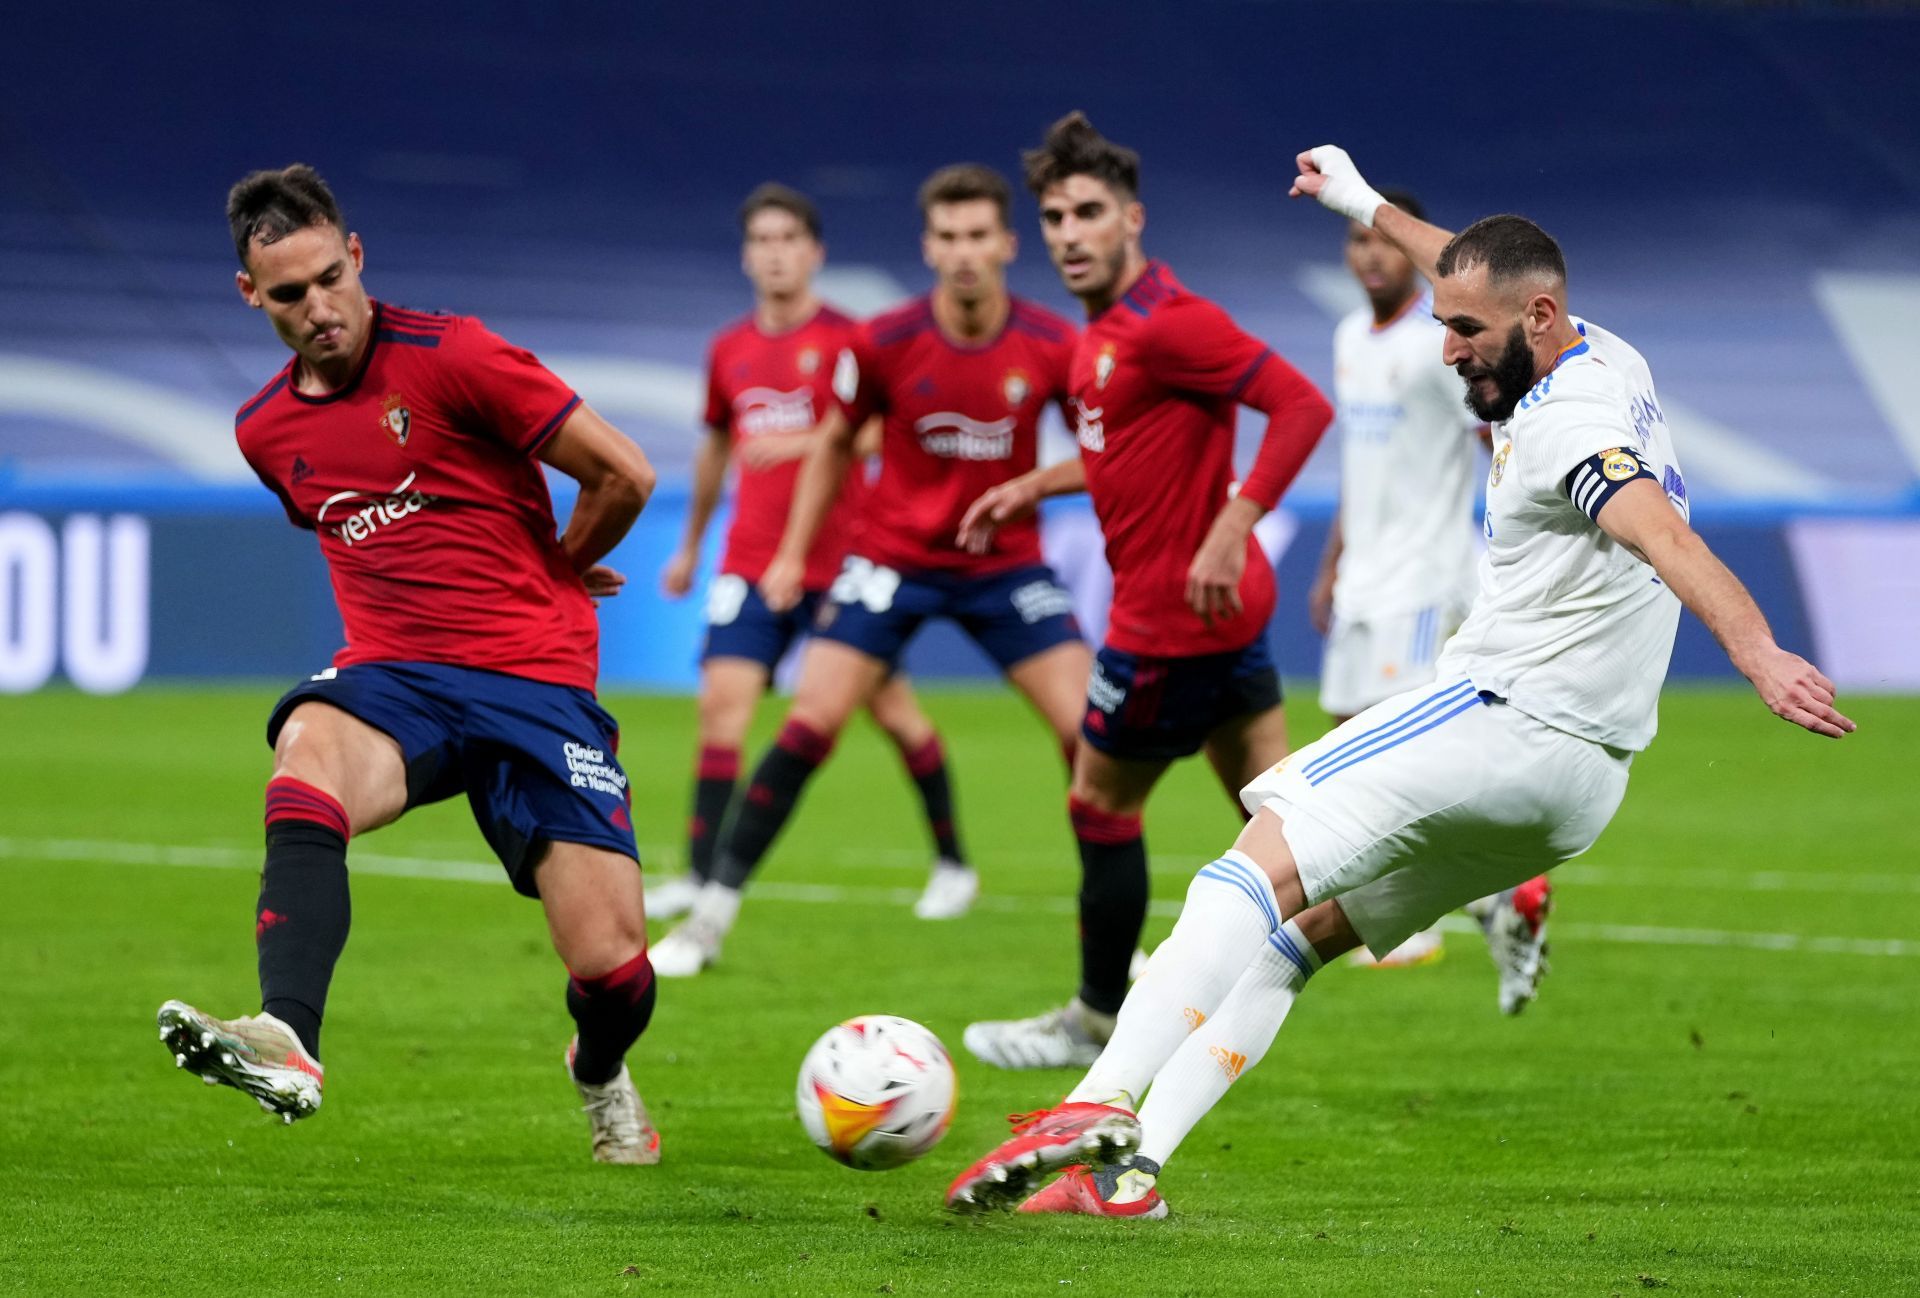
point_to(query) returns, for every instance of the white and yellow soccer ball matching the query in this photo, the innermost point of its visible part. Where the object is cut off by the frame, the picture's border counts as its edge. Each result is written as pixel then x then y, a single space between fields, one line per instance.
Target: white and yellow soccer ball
pixel 877 1092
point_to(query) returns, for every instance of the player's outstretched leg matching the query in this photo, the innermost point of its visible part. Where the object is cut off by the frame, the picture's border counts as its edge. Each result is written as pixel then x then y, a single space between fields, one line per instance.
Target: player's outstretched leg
pixel 256 1054
pixel 953 883
pixel 1515 925
pixel 595 912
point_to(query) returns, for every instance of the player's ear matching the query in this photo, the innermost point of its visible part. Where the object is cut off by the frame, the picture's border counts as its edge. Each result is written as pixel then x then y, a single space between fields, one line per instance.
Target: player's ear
pixel 355 252
pixel 1136 218
pixel 248 293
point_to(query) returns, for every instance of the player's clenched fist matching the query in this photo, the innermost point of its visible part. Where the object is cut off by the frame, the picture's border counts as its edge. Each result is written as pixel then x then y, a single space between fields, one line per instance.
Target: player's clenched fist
pixel 780 584
pixel 1328 174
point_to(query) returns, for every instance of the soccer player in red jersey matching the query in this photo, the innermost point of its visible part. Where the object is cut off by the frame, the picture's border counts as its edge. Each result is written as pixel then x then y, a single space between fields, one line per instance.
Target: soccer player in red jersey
pixel 769 383
pixel 959 378
pixel 411 443
pixel 1156 380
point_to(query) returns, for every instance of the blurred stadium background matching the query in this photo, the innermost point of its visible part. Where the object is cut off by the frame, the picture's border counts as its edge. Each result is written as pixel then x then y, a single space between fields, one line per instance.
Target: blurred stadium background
pixel 1738 188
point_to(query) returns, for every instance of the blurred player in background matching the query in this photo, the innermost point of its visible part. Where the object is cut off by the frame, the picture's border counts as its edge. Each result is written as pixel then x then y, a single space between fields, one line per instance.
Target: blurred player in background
pixel 769 383
pixel 1518 755
pixel 1397 574
pixel 411 443
pixel 1157 379
pixel 959 378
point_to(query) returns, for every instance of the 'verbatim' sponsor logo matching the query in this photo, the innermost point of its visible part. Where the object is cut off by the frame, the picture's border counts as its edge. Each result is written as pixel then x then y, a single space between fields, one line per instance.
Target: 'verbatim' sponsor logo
pixel 953 436
pixel 758 411
pixel 357 515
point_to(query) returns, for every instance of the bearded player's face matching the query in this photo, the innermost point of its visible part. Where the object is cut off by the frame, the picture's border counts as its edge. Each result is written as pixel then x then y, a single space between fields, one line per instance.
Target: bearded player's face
pixel 309 285
pixel 968 246
pixel 1488 341
pixel 780 254
pixel 1088 229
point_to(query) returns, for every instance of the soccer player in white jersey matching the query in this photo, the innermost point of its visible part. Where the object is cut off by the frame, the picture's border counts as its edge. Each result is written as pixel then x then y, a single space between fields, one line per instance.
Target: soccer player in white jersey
pixel 1514 758
pixel 1397 572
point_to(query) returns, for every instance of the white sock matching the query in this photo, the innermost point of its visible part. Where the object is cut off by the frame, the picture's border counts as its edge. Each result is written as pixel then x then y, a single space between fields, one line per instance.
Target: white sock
pixel 1229 915
pixel 1226 1045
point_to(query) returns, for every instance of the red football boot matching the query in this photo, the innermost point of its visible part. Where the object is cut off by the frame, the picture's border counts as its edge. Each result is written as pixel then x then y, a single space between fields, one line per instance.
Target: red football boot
pixel 1044 1142
pixel 1087 1193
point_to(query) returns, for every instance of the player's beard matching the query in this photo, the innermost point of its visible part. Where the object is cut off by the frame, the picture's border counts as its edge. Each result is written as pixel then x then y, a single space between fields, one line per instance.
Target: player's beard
pixel 1512 376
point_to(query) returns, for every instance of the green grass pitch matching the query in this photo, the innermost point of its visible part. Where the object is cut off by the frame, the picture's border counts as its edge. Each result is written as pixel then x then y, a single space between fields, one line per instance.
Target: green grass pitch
pixel 1715 1095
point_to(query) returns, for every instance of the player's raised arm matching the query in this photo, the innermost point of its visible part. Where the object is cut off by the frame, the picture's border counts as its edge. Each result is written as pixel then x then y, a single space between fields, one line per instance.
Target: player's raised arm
pixel 1328 174
pixel 615 481
pixel 1639 516
pixel 813 495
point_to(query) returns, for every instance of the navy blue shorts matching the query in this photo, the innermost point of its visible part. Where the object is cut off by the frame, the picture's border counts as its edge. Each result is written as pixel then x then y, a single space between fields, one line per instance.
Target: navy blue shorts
pixel 740 625
pixel 1011 615
pixel 1158 709
pixel 536 761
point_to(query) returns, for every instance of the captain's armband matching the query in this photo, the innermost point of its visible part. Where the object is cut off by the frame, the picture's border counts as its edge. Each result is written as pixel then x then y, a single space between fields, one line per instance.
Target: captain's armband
pixel 1595 479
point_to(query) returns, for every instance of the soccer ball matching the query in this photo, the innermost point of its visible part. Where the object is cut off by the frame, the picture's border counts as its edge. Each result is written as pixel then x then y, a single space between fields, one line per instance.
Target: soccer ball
pixel 877 1092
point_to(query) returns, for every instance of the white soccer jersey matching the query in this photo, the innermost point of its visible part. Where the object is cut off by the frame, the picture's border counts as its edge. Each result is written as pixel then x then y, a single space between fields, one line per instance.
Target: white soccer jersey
pixel 1406 468
pixel 1567 625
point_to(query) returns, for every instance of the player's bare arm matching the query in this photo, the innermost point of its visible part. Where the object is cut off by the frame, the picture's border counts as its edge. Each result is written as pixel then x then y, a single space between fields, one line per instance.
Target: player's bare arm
pixel 615 481
pixel 709 475
pixel 1016 498
pixel 813 495
pixel 1328 175
pixel 1640 518
pixel 770 449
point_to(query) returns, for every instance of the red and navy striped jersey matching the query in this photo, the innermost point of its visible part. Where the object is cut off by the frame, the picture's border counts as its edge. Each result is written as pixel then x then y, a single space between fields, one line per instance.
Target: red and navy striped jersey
pixel 957 421
pixel 421 478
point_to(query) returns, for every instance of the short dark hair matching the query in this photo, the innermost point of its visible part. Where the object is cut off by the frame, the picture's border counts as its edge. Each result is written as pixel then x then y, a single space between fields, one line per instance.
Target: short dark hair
pixel 267 206
pixel 781 198
pixel 967 182
pixel 1406 202
pixel 1073 148
pixel 1508 246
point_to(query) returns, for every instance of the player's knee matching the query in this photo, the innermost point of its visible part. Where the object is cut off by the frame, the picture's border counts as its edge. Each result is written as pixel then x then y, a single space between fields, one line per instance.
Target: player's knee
pixel 724 716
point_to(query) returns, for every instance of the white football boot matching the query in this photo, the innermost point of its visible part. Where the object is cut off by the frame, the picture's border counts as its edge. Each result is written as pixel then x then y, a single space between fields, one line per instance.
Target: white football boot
pixel 1515 924
pixel 1070 1037
pixel 950 891
pixel 257 1054
pixel 622 1130
pixel 695 944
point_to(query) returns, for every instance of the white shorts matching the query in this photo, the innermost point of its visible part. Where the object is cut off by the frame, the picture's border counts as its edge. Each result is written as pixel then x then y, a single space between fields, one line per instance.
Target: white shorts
pixel 1369 660
pixel 1433 799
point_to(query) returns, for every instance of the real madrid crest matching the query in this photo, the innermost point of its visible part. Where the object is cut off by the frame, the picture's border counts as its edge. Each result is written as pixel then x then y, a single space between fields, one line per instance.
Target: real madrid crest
pixel 1015 387
pixel 1618 465
pixel 1499 463
pixel 1103 366
pixel 808 360
pixel 396 419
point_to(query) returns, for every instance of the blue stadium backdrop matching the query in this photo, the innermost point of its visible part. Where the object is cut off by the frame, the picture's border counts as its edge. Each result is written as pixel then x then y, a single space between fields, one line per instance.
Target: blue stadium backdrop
pixel 1729 202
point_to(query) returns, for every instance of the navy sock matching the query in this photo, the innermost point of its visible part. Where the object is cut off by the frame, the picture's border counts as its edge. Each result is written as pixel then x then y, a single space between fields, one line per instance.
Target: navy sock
pixel 719 771
pixel 1113 901
pixel 304 910
pixel 927 764
pixel 611 1012
pixel 769 800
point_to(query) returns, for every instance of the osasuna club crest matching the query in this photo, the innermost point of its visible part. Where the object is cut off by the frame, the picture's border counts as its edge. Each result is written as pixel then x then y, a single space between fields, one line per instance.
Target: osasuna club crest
pixel 396 419
pixel 1103 366
pixel 1015 387
pixel 809 360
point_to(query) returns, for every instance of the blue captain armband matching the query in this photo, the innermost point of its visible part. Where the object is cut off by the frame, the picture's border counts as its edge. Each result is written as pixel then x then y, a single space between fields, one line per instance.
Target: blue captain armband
pixel 1595 479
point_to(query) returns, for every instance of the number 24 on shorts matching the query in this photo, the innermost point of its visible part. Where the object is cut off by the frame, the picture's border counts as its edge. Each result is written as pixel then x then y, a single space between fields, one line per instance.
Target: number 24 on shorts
pixel 864 582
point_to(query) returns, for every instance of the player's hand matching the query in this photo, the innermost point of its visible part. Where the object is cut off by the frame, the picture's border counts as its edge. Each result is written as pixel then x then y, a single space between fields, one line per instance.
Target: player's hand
pixel 1000 504
pixel 676 579
pixel 1328 174
pixel 769 449
pixel 602 582
pixel 781 584
pixel 1320 601
pixel 1213 578
pixel 1796 691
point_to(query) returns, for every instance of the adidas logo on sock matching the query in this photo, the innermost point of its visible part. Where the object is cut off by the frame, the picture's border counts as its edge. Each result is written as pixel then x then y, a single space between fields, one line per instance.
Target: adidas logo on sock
pixel 1231 1061
pixel 1193 1017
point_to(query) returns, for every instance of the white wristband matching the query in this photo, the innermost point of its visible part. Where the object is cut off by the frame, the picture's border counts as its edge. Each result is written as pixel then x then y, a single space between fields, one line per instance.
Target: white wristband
pixel 1346 191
